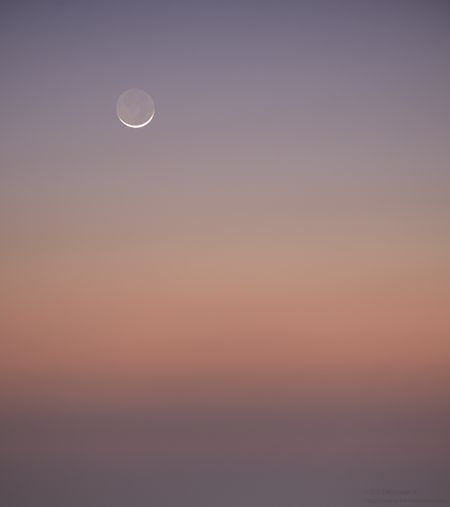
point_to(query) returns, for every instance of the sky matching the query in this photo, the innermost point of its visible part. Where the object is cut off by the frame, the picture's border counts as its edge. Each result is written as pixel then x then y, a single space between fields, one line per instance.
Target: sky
pixel 245 302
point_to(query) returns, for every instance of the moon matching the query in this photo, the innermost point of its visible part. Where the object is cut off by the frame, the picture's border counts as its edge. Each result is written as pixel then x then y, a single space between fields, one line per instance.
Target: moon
pixel 135 108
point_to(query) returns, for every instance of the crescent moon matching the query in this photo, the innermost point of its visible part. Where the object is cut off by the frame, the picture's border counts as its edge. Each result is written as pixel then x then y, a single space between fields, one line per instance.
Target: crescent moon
pixel 135 108
pixel 137 126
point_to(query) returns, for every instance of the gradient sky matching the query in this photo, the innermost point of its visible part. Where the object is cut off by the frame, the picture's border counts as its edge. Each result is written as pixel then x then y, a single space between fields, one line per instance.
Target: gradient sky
pixel 247 301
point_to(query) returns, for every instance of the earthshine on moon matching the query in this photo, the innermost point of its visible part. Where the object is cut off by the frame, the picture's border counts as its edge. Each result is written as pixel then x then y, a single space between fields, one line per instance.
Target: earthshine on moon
pixel 135 108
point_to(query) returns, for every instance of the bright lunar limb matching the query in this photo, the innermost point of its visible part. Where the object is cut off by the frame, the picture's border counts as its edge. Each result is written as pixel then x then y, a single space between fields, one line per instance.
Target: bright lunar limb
pixel 135 108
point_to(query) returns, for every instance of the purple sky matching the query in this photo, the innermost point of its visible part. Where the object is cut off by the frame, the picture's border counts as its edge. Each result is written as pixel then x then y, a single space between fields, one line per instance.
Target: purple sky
pixel 245 302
